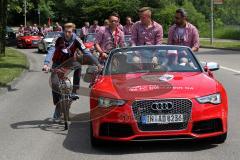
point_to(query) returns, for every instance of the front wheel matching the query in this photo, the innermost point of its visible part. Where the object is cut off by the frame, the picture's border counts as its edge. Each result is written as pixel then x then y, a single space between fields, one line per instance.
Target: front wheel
pixel 39 51
pixel 65 109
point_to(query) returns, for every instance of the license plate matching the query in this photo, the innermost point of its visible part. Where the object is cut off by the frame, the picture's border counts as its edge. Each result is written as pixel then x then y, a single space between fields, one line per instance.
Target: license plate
pixel 35 42
pixel 162 119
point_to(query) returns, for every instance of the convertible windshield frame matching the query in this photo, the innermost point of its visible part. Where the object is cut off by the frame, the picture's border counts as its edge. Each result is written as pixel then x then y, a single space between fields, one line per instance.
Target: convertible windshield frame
pixel 160 47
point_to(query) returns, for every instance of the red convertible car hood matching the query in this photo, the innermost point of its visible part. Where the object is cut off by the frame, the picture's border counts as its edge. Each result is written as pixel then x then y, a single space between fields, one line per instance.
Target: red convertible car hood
pixel 156 85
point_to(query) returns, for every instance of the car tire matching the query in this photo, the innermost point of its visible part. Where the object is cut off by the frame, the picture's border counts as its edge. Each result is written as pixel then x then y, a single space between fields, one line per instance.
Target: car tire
pixel 219 139
pixel 39 51
pixel 94 141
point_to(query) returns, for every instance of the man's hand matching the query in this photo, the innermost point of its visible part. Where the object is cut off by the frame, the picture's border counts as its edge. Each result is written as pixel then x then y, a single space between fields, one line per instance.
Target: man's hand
pixel 104 55
pixel 46 68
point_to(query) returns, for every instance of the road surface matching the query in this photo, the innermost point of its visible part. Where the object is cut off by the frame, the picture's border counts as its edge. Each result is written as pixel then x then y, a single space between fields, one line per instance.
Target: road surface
pixel 27 133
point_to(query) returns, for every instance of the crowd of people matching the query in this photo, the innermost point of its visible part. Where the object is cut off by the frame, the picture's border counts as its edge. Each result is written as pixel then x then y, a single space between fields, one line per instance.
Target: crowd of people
pixel 146 31
pixel 37 30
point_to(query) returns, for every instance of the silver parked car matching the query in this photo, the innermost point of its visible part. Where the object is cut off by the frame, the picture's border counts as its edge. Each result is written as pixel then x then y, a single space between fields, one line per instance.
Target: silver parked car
pixel 47 42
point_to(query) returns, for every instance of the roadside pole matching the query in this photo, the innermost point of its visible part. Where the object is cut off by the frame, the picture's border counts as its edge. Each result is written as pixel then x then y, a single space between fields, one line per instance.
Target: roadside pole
pixel 39 14
pixel 211 22
pixel 214 2
pixel 25 13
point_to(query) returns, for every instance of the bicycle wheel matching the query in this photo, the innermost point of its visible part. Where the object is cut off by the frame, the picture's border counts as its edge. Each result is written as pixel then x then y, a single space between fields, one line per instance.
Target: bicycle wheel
pixel 65 109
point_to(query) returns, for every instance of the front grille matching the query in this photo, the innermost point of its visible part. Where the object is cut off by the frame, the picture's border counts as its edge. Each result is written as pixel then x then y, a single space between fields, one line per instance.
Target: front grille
pixel 180 106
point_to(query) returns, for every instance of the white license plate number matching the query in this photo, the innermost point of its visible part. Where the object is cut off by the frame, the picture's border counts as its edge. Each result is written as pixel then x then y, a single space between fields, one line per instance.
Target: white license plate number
pixel 162 119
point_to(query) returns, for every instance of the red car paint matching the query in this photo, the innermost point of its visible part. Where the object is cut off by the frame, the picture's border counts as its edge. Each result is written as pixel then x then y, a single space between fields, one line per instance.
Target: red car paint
pixel 135 87
pixel 28 41
pixel 89 45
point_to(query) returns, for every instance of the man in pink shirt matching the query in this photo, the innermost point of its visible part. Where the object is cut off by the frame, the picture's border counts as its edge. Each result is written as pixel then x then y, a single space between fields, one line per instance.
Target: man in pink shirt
pixel 85 29
pixel 109 37
pixel 127 29
pixel 146 31
pixel 95 27
pixel 58 28
pixel 183 33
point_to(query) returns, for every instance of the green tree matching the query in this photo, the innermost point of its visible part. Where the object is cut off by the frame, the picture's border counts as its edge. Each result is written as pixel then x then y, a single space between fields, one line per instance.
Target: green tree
pixel 165 17
pixel 3 23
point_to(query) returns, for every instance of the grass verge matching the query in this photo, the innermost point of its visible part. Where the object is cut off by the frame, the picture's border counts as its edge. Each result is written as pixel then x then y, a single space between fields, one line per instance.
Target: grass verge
pixel 11 66
pixel 225 45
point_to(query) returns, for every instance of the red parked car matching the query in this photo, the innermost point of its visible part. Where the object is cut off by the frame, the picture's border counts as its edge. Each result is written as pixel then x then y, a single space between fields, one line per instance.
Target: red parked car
pixel 157 93
pixel 28 41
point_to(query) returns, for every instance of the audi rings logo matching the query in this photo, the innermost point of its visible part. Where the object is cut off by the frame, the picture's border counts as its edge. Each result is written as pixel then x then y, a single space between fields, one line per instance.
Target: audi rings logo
pixel 162 106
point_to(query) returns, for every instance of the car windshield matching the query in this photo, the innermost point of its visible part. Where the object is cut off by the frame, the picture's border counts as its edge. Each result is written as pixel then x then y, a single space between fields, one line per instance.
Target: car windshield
pixel 90 38
pixel 151 59
pixel 52 34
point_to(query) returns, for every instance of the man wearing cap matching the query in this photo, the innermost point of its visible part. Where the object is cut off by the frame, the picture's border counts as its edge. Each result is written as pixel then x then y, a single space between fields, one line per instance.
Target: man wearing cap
pixel 183 33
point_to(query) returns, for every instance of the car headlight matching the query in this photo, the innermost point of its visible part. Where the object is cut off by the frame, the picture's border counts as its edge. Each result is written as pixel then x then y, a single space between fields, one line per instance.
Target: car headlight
pixel 213 98
pixel 107 102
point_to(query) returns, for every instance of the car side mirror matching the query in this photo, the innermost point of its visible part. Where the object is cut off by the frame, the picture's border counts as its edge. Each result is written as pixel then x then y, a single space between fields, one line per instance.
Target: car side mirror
pixel 212 66
pixel 89 76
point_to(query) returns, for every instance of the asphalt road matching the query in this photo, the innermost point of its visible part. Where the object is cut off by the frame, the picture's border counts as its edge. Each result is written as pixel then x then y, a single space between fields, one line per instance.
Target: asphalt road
pixel 27 133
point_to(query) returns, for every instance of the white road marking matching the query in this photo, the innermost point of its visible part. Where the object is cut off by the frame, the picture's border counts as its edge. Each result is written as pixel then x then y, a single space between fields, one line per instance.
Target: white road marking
pixel 230 69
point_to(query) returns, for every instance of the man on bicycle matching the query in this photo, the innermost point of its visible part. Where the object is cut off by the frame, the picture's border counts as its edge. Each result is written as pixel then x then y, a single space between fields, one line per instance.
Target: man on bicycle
pixel 65 49
pixel 109 37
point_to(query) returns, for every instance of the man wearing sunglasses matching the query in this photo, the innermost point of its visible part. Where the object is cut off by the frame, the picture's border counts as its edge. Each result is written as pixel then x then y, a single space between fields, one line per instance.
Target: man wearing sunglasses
pixel 66 46
pixel 109 37
pixel 146 31
pixel 183 33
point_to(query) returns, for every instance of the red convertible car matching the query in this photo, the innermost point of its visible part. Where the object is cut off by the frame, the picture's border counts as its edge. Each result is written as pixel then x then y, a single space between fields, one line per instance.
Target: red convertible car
pixel 150 93
pixel 28 41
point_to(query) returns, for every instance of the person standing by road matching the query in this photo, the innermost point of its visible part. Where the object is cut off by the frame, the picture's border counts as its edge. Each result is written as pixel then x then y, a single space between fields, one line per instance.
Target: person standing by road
pixel 183 33
pixel 45 29
pixel 21 30
pixel 35 29
pixel 146 31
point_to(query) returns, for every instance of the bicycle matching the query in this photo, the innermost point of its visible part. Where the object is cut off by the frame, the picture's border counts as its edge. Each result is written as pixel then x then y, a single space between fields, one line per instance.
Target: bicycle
pixel 65 90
